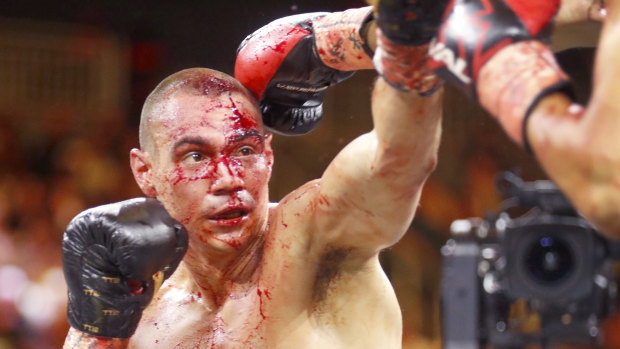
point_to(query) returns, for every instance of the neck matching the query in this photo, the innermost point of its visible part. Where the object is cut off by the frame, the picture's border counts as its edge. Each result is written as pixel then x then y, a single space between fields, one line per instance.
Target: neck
pixel 218 275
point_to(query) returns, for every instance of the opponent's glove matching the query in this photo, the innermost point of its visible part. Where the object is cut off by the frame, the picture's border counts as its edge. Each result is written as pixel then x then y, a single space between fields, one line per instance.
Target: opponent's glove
pixel 110 255
pixel 405 30
pixel 289 63
pixel 509 35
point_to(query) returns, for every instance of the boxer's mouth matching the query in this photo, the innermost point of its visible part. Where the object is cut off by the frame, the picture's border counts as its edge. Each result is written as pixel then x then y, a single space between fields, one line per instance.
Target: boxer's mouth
pixel 230 214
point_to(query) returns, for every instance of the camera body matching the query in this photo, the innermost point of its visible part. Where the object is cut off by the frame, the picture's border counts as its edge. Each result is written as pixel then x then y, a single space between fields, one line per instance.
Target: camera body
pixel 541 276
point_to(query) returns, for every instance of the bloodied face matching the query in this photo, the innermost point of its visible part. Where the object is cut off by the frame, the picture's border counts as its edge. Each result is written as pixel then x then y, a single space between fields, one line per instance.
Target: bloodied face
pixel 210 165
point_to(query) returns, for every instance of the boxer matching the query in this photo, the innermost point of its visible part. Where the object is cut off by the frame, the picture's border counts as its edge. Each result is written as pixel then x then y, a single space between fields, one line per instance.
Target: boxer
pixel 301 273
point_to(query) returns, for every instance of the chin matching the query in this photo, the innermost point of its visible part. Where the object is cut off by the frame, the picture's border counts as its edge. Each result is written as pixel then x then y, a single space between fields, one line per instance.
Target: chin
pixel 228 235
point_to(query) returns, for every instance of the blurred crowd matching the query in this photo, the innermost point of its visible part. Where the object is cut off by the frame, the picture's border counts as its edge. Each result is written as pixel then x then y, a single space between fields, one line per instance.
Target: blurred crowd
pixel 47 175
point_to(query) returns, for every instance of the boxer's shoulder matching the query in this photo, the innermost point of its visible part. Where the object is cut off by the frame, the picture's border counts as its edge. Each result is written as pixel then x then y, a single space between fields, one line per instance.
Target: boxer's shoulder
pixel 295 211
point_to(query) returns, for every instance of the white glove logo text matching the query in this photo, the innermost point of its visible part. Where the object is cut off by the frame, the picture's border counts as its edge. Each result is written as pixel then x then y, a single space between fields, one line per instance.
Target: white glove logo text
pixel 456 65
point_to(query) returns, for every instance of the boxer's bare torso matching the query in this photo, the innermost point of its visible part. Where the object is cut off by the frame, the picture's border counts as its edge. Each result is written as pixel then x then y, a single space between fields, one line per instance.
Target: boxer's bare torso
pixel 307 274
pixel 295 296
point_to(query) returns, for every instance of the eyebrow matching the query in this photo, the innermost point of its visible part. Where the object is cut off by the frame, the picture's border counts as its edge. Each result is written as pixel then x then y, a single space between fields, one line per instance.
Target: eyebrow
pixel 236 137
pixel 245 134
pixel 189 140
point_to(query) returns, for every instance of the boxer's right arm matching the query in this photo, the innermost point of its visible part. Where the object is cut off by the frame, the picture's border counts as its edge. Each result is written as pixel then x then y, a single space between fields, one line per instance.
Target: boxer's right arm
pixel 114 258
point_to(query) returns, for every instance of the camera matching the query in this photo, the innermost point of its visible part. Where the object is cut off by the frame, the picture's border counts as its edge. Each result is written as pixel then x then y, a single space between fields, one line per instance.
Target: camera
pixel 533 273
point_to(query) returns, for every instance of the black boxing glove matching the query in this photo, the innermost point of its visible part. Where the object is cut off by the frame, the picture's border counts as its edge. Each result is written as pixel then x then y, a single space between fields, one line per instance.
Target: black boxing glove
pixel 410 23
pixel 289 63
pixel 510 36
pixel 110 255
pixel 405 30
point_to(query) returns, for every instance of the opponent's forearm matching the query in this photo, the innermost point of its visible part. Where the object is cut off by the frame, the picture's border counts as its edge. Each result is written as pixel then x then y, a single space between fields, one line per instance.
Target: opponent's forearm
pixel 578 148
pixel 573 11
pixel 80 340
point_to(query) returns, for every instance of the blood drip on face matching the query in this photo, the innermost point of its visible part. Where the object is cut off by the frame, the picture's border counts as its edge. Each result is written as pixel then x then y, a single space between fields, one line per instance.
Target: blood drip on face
pixel 240 121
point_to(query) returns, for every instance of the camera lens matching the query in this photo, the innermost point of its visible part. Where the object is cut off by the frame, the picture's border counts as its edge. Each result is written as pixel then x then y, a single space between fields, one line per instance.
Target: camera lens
pixel 548 259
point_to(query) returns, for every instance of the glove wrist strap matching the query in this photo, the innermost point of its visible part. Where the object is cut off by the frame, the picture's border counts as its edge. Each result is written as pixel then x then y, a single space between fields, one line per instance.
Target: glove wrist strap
pixel 405 67
pixel 512 82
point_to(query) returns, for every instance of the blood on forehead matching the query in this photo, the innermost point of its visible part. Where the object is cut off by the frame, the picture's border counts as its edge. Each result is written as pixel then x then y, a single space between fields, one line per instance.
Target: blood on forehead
pixel 211 85
pixel 214 87
pixel 241 120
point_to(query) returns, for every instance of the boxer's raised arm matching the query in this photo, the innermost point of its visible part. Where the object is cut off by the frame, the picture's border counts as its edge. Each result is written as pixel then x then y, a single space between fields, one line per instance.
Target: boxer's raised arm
pixel 580 148
pixel 369 192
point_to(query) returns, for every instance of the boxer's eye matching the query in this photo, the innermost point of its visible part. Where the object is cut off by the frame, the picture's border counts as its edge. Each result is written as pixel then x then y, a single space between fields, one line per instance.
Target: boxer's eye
pixel 246 150
pixel 196 157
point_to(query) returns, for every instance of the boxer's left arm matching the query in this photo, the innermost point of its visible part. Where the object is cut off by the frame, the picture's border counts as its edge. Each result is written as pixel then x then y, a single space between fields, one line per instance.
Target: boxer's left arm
pixel 368 195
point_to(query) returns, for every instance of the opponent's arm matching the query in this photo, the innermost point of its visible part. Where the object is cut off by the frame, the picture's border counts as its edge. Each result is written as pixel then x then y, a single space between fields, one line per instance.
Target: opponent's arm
pixel 573 11
pixel 513 74
pixel 580 148
pixel 114 259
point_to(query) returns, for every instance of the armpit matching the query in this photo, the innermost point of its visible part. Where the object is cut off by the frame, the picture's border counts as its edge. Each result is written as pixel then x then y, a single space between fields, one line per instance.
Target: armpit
pixel 328 270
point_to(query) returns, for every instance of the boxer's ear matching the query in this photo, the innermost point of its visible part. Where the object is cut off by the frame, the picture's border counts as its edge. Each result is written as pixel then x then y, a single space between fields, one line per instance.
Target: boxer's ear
pixel 269 152
pixel 142 171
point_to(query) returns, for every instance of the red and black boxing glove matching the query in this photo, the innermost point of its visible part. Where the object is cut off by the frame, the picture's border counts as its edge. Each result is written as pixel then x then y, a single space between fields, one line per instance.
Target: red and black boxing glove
pixel 289 63
pixel 110 255
pixel 496 52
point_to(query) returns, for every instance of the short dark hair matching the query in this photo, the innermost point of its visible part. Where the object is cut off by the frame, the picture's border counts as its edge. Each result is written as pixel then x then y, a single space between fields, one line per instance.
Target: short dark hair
pixel 199 81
